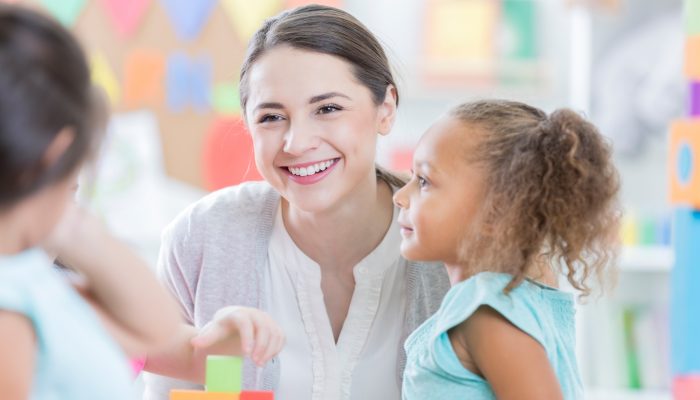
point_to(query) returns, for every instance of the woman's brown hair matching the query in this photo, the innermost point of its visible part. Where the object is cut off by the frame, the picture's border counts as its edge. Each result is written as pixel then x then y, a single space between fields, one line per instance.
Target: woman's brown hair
pixel 551 192
pixel 331 31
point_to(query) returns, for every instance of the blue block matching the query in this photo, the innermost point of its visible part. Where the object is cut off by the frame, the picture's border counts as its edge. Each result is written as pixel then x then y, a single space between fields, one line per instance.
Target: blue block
pixel 685 292
pixel 188 82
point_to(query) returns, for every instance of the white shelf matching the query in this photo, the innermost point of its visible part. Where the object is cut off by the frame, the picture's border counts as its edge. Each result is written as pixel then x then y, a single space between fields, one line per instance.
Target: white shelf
pixel 628 395
pixel 646 259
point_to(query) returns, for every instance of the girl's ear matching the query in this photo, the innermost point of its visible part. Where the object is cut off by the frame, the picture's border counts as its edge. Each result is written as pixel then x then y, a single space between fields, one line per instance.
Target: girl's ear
pixel 58 146
pixel 387 111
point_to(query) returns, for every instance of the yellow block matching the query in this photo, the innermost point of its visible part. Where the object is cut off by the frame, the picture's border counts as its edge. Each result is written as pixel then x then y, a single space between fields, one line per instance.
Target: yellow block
pixel 201 395
pixel 684 163
pixel 692 57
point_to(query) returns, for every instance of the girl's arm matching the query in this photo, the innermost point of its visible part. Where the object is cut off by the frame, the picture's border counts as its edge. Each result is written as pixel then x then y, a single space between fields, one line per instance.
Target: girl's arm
pixel 239 331
pixel 18 349
pixel 515 364
pixel 120 283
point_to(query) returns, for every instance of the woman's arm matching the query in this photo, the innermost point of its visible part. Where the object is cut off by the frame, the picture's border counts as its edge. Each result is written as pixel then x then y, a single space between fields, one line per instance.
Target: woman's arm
pixel 513 362
pixel 18 349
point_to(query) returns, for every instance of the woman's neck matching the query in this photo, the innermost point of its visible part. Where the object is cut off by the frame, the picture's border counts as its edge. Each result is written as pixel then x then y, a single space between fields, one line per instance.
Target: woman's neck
pixel 342 236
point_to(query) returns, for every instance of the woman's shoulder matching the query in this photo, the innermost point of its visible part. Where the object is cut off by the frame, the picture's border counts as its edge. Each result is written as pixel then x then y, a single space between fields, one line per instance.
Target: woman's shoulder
pixel 240 206
pixel 241 198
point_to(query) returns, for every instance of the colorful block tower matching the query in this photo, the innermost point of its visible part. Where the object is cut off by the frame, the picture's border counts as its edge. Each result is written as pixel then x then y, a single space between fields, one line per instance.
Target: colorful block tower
pixel 223 382
pixel 684 178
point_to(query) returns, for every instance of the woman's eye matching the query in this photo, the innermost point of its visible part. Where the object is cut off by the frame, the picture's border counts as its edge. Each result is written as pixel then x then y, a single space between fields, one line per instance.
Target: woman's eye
pixel 269 118
pixel 329 108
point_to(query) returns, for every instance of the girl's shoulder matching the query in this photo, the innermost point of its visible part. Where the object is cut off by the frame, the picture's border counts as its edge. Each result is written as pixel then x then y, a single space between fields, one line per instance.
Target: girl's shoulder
pixel 522 306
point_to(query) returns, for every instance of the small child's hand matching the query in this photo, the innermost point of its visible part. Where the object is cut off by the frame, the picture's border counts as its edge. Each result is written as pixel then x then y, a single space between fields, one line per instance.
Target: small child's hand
pixel 258 334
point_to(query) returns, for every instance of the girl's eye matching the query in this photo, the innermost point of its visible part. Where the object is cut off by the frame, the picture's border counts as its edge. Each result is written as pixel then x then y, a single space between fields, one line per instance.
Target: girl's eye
pixel 422 182
pixel 329 108
pixel 269 118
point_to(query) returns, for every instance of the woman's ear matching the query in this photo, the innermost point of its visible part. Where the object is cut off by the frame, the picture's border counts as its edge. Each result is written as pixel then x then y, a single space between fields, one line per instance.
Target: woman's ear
pixel 387 111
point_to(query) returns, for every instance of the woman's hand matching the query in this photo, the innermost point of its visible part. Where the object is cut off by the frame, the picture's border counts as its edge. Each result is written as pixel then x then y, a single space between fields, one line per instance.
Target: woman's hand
pixel 241 329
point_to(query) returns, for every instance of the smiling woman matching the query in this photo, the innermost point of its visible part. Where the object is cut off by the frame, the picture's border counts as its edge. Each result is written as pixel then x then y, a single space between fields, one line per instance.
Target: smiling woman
pixel 316 246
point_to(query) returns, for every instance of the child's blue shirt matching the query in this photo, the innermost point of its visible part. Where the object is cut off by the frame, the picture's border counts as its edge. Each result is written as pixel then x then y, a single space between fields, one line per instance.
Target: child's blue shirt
pixel 433 370
pixel 75 357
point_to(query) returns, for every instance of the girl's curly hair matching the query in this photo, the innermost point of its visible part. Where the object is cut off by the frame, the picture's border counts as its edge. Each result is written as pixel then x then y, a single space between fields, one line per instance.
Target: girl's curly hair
pixel 551 193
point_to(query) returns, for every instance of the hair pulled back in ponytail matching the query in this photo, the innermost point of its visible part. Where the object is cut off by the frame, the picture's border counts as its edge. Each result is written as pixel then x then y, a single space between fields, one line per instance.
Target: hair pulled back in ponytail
pixel 551 192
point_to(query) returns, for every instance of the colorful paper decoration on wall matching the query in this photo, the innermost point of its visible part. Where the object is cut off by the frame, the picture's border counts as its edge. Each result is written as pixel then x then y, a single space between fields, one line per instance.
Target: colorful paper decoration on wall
pixel 188 81
pixel 226 99
pixel 686 387
pixel 694 106
pixel 126 15
pixel 402 159
pixel 144 71
pixel 460 36
pixel 247 16
pixel 692 57
pixel 684 171
pixel 684 163
pixel 520 33
pixel 228 154
pixel 66 11
pixel 103 76
pixel 692 17
pixel 189 16
pixel 330 3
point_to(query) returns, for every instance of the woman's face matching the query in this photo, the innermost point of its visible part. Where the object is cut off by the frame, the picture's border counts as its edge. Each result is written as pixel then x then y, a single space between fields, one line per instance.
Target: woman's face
pixel 314 127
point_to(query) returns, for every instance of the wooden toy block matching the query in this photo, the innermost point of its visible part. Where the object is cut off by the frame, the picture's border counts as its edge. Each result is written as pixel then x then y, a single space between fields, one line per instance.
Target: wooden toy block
pixel 259 395
pixel 202 395
pixel 685 296
pixel 692 57
pixel 695 99
pixel 684 163
pixel 686 387
pixel 224 374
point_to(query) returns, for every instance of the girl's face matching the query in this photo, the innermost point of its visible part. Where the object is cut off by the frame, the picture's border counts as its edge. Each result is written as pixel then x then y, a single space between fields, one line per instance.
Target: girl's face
pixel 444 195
pixel 314 126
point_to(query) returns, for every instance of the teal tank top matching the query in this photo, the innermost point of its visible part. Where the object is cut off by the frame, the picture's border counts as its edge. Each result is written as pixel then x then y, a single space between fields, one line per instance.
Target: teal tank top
pixel 75 358
pixel 433 370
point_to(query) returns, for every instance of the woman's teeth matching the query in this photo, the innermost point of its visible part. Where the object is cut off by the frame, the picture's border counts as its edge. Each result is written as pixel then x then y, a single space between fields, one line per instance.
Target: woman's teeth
pixel 311 169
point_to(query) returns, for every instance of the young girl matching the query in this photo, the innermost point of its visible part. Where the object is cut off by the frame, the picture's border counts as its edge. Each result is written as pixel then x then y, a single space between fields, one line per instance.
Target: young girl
pixel 52 343
pixel 507 197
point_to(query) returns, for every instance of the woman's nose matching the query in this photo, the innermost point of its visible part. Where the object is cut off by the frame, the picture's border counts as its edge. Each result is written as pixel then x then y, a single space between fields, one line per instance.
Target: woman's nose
pixel 300 138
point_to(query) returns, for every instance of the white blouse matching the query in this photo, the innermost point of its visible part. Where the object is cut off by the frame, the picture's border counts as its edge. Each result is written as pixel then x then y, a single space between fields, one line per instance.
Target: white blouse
pixel 363 364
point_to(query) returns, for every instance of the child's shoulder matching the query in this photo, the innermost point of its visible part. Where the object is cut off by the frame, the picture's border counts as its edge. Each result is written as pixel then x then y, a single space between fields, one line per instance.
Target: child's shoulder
pixel 21 276
pixel 519 306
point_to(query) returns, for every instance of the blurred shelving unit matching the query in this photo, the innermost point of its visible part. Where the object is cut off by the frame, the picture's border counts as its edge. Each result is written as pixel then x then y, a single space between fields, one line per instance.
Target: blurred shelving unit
pixel 628 395
pixel 655 258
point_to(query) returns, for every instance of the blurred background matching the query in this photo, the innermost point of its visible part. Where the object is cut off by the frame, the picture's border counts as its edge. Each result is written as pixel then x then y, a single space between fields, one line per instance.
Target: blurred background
pixel 170 69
